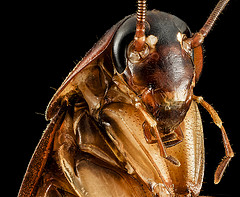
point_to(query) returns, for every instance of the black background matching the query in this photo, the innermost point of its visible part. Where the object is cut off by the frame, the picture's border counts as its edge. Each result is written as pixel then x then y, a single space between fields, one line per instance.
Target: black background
pixel 42 40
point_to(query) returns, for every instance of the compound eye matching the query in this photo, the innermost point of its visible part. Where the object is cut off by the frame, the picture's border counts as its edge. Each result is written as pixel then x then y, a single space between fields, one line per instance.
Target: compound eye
pixel 122 39
pixel 123 44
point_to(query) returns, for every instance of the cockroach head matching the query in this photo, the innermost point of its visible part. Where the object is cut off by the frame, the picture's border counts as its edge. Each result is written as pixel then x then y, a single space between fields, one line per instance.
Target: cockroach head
pixel 161 73
pixel 160 60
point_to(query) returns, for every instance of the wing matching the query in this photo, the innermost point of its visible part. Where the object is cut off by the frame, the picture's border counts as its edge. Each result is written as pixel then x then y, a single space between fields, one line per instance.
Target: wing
pixel 68 92
pixel 40 156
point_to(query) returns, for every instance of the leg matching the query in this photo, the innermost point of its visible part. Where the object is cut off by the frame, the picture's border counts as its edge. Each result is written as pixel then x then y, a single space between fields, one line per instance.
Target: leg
pixel 153 124
pixel 148 133
pixel 228 149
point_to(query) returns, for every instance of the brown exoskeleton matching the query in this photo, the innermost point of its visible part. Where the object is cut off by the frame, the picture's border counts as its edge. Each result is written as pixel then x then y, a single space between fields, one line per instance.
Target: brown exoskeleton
pixel 125 122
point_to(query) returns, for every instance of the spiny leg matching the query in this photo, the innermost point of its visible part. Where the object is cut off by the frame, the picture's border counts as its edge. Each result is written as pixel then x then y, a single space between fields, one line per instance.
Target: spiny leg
pixel 228 149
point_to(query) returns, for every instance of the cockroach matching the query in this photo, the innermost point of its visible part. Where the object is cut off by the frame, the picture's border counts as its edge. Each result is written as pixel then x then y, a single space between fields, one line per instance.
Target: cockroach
pixel 125 122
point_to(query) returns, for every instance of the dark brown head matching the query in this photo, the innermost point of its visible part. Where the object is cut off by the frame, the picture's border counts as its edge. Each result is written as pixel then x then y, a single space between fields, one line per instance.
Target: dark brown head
pixel 162 73
pixel 156 55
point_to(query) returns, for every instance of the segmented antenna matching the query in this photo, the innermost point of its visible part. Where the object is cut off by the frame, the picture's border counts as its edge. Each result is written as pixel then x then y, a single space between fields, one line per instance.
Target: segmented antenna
pixel 198 37
pixel 140 27
pixel 141 12
pixel 213 17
